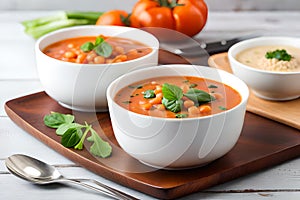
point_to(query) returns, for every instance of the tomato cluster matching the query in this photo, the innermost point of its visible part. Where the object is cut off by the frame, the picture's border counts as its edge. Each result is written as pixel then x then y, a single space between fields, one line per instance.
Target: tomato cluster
pixel 185 16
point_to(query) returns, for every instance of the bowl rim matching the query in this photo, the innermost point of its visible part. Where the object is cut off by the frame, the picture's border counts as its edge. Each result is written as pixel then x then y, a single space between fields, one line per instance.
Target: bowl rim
pixel 244 98
pixel 38 50
pixel 241 44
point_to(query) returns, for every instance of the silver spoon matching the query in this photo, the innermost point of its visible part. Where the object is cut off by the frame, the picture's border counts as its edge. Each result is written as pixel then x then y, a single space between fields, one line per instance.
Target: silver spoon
pixel 38 172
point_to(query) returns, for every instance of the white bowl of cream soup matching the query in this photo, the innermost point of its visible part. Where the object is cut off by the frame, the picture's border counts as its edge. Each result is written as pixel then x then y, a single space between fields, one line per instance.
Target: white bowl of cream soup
pixel 269 65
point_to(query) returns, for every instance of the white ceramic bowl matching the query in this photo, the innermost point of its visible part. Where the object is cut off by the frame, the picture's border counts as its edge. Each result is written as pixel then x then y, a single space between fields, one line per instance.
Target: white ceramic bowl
pixel 268 85
pixel 83 86
pixel 177 143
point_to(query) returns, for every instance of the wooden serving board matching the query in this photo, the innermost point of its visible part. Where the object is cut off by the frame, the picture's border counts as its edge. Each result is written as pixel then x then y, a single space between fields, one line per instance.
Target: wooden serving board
pixel 263 143
pixel 287 112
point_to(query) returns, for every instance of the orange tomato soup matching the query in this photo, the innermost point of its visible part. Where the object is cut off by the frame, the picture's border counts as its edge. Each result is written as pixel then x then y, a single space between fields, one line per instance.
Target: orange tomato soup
pixel 122 50
pixel 147 97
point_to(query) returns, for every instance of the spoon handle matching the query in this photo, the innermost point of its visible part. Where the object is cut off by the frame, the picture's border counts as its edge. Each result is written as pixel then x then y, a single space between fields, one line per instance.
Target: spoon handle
pixel 120 194
pixel 104 189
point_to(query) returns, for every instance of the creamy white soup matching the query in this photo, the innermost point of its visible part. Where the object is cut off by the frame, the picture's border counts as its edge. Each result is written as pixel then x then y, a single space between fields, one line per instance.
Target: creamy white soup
pixel 256 57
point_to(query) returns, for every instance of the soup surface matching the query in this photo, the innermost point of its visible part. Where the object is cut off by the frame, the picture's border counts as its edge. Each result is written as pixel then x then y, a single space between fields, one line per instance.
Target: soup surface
pixel 178 97
pixel 115 50
pixel 256 57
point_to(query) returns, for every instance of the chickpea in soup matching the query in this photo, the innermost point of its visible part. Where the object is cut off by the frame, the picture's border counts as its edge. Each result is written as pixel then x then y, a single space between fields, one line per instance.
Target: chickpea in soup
pixel 178 97
pixel 96 50
pixel 271 58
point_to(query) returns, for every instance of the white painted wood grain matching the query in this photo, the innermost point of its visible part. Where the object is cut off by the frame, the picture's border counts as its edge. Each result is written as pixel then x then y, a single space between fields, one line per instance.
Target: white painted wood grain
pixel 24 190
pixel 10 89
pixel 15 140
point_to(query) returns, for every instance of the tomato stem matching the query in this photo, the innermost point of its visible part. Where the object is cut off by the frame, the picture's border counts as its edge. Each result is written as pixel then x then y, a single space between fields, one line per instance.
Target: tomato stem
pixel 169 4
pixel 126 20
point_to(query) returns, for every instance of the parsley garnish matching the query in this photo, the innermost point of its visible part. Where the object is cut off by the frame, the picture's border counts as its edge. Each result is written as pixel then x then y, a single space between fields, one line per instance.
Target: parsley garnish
pixel 135 86
pixel 279 55
pixel 149 94
pixel 212 86
pixel 181 115
pixel 222 108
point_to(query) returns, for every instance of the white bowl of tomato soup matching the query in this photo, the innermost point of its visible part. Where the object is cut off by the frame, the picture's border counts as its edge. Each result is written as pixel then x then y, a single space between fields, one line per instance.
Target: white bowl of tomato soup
pixel 76 65
pixel 269 65
pixel 177 116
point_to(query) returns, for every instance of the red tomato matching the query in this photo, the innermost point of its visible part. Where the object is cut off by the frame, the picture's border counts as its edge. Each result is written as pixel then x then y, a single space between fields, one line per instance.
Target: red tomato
pixel 185 16
pixel 114 17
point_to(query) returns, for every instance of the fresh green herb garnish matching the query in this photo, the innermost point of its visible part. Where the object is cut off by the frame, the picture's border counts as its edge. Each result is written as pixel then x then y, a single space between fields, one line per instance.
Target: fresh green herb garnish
pixel 99 147
pixel 104 49
pixel 54 120
pixel 135 86
pixel 64 127
pixel 101 47
pixel 72 134
pixel 88 46
pixel 199 96
pixel 279 55
pixel 71 137
pixel 172 105
pixel 193 85
pixel 148 94
pixel 172 97
pixel 171 92
pixel 181 115
pixel 134 95
pixel 222 108
pixel 212 86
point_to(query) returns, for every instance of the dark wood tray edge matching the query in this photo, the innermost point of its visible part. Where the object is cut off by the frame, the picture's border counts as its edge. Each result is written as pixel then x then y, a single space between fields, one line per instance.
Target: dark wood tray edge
pixel 162 193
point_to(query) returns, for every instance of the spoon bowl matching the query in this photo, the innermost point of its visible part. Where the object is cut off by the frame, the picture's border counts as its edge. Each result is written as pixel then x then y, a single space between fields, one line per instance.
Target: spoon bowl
pixel 39 172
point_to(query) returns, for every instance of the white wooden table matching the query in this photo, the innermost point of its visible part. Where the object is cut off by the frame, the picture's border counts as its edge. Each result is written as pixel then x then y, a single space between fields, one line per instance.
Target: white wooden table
pixel 18 77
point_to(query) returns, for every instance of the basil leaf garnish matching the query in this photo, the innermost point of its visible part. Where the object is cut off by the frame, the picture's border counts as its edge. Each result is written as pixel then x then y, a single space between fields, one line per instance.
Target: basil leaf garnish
pixel 199 96
pixel 101 47
pixel 98 41
pixel 104 49
pixel 86 47
pixel 172 105
pixel 171 92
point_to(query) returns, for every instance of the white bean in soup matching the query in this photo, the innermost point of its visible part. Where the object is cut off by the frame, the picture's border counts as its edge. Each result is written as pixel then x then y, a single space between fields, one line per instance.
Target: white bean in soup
pixel 280 58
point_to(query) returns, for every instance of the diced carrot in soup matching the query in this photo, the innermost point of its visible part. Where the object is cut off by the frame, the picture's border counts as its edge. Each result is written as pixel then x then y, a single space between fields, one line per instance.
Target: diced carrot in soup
pixel 194 97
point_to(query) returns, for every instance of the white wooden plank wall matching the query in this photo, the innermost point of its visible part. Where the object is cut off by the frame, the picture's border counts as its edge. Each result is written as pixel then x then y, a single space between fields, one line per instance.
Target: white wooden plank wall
pixel 100 5
pixel 18 77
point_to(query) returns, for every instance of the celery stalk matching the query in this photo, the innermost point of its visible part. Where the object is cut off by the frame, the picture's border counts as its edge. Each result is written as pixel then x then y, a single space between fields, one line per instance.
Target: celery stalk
pixel 42 25
pixel 39 31
pixel 44 20
pixel 90 15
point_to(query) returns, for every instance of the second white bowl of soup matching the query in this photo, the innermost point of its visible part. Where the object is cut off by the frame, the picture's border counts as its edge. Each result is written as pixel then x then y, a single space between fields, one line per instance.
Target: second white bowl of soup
pixel 269 65
pixel 76 65
pixel 177 116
